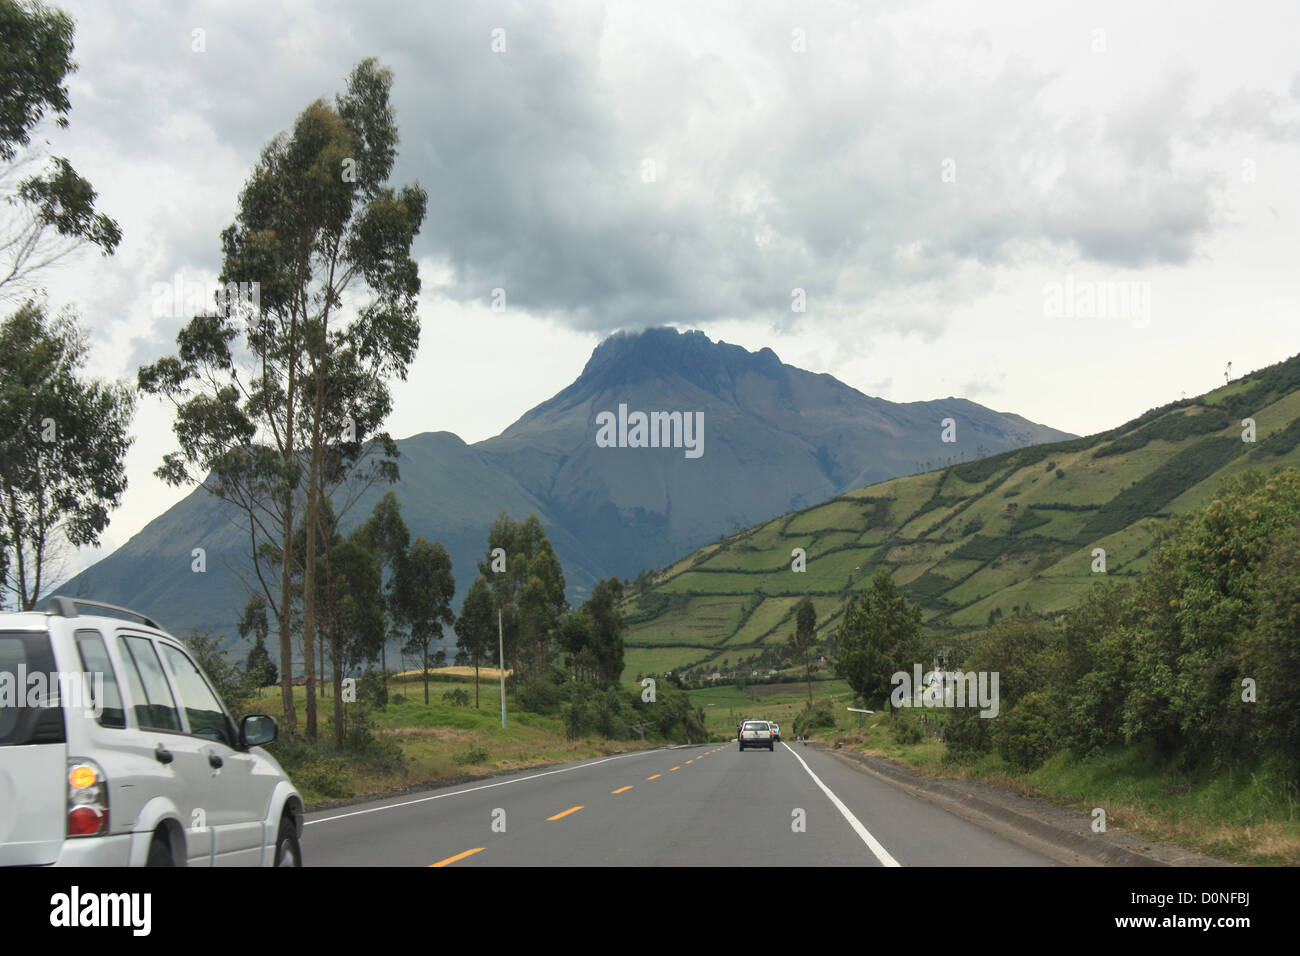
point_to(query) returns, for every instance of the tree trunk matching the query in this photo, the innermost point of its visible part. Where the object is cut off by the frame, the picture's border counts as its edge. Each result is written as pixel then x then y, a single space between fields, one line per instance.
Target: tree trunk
pixel 426 674
pixel 476 682
pixel 309 593
pixel 290 715
pixel 338 680
pixel 314 494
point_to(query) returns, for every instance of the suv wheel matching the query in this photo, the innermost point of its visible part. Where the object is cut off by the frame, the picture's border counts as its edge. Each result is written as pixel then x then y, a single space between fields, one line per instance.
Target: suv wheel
pixel 287 850
pixel 159 853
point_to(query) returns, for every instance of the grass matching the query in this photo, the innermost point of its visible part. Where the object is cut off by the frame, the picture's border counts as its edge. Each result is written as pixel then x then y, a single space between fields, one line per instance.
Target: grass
pixel 1247 815
pixel 726 705
pixel 437 742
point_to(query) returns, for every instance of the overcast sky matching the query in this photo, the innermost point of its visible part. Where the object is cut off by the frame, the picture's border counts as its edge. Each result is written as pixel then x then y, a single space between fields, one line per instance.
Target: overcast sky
pixel 933 176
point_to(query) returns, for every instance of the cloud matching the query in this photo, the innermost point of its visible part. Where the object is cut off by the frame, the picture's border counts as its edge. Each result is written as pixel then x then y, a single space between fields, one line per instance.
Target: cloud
pixel 616 166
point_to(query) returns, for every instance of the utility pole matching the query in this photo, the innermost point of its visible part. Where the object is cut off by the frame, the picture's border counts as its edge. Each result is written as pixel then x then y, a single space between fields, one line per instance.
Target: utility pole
pixel 501 671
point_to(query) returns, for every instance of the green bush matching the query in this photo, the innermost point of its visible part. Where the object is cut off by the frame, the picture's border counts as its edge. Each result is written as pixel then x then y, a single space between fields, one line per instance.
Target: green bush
pixel 905 730
pixel 545 693
pixel 364 747
pixel 371 689
pixel 471 755
pixel 966 735
pixel 458 697
pixel 1024 735
pixel 808 720
pixel 314 767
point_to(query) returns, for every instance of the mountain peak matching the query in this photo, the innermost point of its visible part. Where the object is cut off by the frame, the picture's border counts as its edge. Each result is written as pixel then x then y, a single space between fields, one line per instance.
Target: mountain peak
pixel 626 358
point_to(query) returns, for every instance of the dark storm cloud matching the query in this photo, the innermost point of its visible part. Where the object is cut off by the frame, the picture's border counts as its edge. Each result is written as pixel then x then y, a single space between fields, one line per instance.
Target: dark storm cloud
pixel 774 169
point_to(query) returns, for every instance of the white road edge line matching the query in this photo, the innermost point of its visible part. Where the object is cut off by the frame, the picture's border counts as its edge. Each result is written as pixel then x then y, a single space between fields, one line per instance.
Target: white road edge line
pixel 872 843
pixel 486 786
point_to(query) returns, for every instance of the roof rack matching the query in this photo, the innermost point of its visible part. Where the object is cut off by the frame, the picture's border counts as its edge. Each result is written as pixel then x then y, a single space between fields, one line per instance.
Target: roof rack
pixel 67 607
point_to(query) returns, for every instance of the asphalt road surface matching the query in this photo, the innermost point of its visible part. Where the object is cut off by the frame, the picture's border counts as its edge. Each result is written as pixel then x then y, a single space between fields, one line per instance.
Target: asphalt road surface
pixel 709 805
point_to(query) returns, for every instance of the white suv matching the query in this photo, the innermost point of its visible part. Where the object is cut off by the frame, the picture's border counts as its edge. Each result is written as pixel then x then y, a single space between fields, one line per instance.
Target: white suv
pixel 115 750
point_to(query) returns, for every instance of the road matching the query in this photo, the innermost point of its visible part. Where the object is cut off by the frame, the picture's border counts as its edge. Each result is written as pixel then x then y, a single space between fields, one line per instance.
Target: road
pixel 708 805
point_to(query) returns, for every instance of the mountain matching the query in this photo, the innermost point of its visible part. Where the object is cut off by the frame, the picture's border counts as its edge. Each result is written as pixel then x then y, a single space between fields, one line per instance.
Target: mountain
pixel 767 438
pixel 972 541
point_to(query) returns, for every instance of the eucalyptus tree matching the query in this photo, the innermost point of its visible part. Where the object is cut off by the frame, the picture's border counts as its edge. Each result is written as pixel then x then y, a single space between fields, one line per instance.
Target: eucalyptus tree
pixel 804 638
pixel 389 538
pixel 476 628
pixel 352 603
pixel 48 208
pixel 527 585
pixel 282 388
pixel 63 448
pixel 424 588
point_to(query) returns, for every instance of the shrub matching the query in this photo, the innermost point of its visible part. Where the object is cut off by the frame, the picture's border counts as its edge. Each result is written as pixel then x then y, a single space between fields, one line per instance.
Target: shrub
pixel 905 730
pixel 313 767
pixel 807 720
pixel 372 690
pixel 544 693
pixel 366 748
pixel 471 755
pixel 458 697
pixel 966 735
pixel 1024 735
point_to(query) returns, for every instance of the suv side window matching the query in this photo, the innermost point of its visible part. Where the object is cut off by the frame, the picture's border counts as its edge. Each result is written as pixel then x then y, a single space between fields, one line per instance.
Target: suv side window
pixel 95 661
pixel 155 708
pixel 206 716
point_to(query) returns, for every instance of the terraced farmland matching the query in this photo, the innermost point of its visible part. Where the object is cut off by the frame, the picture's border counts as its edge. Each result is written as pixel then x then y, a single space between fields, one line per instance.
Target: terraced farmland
pixel 971 540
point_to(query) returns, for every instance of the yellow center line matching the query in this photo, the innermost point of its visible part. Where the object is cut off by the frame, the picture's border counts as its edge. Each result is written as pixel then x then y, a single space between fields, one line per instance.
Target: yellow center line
pixel 564 813
pixel 655 777
pixel 458 856
pixel 674 768
pixel 621 789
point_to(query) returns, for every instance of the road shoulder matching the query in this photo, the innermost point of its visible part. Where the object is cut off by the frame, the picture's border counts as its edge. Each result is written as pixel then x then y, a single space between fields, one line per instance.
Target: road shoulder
pixel 1061 833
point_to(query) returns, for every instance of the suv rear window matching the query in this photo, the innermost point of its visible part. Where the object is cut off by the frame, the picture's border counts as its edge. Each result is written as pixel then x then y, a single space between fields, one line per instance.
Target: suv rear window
pixel 21 656
pixel 755 725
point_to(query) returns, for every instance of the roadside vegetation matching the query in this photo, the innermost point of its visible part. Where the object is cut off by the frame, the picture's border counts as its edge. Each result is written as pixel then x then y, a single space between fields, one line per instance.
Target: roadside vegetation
pixel 1172 701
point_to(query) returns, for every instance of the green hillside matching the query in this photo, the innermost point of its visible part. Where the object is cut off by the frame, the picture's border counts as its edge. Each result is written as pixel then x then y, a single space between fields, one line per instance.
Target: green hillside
pixel 972 540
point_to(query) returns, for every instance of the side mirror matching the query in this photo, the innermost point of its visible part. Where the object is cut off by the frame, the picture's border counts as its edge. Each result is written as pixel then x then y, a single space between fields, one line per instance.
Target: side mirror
pixel 257 730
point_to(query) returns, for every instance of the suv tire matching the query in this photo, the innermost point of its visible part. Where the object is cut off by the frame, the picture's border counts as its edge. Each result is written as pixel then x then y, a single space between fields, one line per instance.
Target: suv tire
pixel 287 850
pixel 160 853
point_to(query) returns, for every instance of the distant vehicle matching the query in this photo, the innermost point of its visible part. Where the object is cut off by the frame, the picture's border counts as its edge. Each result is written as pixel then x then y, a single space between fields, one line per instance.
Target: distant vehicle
pixel 116 751
pixel 756 733
pixel 776 730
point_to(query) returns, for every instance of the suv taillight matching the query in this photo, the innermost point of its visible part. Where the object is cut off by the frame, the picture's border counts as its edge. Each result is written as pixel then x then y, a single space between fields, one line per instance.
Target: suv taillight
pixel 87 799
